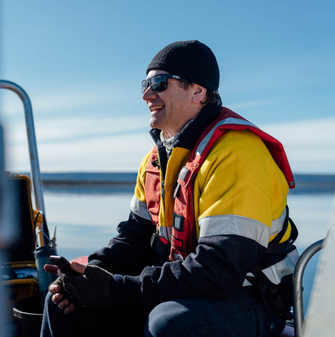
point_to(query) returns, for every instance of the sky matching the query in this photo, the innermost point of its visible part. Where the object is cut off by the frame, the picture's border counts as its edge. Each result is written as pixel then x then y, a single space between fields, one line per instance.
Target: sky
pixel 82 62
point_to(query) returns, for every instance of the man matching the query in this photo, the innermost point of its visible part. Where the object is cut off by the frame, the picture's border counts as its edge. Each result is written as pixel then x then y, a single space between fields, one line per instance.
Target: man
pixel 207 249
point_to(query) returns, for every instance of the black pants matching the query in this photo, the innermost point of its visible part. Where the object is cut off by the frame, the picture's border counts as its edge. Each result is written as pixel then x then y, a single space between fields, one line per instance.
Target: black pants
pixel 240 315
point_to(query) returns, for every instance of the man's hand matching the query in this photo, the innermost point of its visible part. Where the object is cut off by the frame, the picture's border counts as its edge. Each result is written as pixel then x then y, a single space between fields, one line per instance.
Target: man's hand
pixel 93 288
pixel 57 287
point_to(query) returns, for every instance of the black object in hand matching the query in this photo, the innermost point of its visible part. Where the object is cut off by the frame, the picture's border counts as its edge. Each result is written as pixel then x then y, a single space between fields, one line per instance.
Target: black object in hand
pixel 63 264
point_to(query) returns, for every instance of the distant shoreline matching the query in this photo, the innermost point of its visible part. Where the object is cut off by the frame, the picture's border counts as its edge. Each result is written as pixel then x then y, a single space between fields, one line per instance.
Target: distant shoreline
pixel 89 178
pixel 305 183
pixel 315 181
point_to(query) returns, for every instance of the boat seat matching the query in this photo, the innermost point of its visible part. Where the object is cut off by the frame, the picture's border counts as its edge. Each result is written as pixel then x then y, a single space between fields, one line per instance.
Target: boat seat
pixel 24 246
pixel 19 277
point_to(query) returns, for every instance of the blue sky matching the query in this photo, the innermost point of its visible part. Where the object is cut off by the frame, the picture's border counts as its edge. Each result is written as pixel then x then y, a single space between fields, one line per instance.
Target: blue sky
pixel 81 62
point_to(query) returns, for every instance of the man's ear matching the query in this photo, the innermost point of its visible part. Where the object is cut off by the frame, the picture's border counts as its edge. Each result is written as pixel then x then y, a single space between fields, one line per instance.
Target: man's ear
pixel 199 93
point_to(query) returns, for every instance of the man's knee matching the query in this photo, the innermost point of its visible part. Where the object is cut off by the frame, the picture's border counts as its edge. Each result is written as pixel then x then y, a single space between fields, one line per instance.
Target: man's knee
pixel 172 318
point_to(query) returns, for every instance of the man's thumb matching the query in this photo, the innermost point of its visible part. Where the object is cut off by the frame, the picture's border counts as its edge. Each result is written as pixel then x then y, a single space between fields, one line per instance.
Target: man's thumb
pixel 78 267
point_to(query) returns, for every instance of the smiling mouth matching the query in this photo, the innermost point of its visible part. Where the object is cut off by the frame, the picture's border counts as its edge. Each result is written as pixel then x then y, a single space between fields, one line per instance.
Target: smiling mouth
pixel 156 108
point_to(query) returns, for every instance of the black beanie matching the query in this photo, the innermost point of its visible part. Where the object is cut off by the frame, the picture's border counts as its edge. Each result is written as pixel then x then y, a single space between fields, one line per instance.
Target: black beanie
pixel 191 60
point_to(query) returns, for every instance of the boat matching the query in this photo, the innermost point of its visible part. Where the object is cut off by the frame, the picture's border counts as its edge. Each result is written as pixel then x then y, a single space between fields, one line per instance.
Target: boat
pixel 23 279
pixel 24 283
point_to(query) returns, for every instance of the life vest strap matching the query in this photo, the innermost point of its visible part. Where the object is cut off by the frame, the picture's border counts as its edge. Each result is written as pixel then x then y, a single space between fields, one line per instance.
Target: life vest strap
pixel 265 291
pixel 276 247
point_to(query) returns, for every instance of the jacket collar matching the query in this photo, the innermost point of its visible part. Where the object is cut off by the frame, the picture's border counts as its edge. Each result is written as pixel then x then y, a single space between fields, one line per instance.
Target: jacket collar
pixel 191 133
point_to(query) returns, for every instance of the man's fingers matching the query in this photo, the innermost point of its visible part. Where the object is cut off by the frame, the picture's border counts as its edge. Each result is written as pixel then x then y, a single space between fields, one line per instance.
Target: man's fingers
pixel 57 298
pixel 50 268
pixel 53 288
pixel 64 304
pixel 70 308
pixel 78 267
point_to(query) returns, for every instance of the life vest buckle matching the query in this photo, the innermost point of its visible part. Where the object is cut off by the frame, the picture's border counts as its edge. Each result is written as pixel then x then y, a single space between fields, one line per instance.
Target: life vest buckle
pixel 160 245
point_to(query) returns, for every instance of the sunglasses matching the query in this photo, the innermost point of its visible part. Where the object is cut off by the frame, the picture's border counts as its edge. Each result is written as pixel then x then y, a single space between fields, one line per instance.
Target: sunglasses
pixel 159 82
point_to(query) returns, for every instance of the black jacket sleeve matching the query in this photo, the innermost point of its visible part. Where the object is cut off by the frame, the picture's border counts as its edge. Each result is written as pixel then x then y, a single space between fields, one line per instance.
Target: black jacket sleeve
pixel 129 252
pixel 217 270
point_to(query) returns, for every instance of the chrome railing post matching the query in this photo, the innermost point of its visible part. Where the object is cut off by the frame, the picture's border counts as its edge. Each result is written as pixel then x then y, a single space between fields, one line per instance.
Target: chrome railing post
pixel 298 309
pixel 34 163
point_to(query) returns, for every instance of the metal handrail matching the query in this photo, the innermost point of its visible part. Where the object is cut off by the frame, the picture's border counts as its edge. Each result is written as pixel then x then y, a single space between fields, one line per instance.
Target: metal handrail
pixel 33 155
pixel 298 309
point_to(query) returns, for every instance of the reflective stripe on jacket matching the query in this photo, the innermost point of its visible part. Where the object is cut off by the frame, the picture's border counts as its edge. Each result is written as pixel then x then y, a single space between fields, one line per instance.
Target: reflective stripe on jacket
pixel 186 226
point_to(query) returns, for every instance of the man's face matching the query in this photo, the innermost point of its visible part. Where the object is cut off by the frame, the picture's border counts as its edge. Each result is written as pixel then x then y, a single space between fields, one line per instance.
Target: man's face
pixel 170 109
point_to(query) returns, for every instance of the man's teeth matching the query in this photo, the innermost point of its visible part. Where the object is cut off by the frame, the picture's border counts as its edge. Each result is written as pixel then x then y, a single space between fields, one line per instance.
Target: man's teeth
pixel 155 108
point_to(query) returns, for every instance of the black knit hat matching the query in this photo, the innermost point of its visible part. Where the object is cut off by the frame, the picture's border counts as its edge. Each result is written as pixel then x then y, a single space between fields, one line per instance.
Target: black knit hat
pixel 191 60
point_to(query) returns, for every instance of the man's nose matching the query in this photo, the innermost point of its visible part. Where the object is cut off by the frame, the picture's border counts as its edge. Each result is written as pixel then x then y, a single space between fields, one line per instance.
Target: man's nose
pixel 148 95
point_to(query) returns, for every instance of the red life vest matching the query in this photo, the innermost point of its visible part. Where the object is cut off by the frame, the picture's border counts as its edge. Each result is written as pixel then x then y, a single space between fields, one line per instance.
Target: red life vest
pixel 184 234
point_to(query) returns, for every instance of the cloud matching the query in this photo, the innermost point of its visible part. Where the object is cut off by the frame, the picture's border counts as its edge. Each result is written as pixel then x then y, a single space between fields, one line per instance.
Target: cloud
pixel 119 144
pixel 107 153
pixel 70 98
pixel 312 133
pixel 73 128
pixel 310 145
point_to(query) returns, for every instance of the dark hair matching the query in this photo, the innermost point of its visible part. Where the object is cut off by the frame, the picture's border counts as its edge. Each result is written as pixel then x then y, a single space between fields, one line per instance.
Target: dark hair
pixel 212 96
